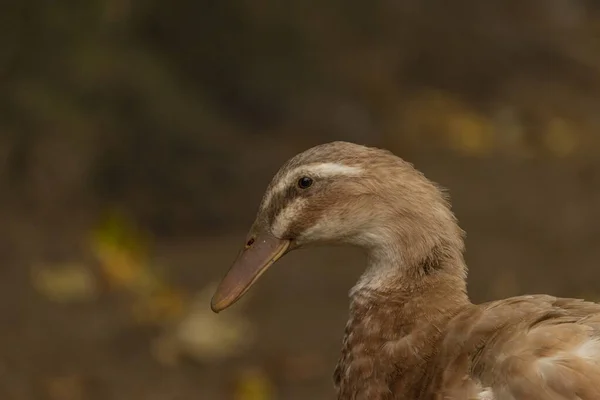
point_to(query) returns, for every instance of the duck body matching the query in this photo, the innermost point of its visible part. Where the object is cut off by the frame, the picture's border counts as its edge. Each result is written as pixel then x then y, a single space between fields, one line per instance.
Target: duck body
pixel 412 331
pixel 526 347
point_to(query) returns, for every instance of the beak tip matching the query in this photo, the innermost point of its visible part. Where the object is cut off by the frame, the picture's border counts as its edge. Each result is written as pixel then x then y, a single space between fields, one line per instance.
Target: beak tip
pixel 214 306
pixel 250 265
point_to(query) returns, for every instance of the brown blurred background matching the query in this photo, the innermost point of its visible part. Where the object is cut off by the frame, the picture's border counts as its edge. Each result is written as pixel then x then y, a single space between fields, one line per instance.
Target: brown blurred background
pixel 136 139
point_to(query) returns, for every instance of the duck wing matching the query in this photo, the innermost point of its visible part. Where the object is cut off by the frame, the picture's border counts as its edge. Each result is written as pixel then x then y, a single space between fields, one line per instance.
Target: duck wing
pixel 527 347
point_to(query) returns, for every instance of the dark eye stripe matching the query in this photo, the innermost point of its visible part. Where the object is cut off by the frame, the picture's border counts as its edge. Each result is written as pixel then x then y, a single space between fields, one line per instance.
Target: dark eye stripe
pixel 280 201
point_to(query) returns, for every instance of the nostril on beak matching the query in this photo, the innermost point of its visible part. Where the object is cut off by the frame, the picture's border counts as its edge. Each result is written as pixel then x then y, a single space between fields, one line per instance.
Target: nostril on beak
pixel 249 243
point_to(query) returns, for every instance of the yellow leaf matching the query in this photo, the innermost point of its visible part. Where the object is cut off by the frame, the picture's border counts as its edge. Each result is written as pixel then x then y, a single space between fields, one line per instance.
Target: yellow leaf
pixel 118 231
pixel 470 133
pixel 120 267
pixel 119 247
pixel 253 384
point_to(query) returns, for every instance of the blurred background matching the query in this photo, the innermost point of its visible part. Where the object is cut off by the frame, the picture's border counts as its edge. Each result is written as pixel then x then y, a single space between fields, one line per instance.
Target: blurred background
pixel 136 139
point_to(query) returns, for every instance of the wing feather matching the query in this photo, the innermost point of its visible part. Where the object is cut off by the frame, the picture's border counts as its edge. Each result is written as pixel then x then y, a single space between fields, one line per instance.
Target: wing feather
pixel 527 347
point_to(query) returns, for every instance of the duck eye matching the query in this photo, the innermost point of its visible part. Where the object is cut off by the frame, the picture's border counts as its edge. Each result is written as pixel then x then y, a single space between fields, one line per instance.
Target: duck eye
pixel 305 182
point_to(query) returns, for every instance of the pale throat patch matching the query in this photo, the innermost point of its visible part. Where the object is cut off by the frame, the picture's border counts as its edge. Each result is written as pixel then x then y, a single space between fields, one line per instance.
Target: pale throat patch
pixel 284 219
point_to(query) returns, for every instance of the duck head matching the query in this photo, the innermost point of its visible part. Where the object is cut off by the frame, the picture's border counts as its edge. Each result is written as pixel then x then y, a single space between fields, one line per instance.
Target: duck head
pixel 340 193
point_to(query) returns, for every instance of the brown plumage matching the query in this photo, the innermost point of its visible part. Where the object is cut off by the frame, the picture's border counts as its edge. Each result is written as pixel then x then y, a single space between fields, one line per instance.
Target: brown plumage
pixel 412 331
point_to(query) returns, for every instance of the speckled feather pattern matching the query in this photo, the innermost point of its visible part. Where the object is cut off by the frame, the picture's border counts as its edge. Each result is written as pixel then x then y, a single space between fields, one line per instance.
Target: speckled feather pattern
pixel 412 332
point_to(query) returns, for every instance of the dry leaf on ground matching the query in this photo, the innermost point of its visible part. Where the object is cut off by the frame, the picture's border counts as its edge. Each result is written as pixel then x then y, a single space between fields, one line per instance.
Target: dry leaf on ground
pixel 64 283
pixel 204 335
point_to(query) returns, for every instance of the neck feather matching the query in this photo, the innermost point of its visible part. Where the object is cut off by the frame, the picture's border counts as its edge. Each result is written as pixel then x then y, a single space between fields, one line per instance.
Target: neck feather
pixel 404 264
pixel 425 291
pixel 397 312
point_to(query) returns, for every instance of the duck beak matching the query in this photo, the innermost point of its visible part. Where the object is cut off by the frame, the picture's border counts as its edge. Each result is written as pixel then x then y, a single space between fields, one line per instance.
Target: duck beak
pixel 258 255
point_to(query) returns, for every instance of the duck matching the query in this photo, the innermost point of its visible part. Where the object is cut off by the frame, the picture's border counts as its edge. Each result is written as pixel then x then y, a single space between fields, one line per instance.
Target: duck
pixel 412 331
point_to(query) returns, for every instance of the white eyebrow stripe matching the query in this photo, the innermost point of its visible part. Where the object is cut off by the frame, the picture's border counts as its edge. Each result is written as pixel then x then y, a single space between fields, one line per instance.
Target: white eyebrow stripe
pixel 321 170
pixel 331 169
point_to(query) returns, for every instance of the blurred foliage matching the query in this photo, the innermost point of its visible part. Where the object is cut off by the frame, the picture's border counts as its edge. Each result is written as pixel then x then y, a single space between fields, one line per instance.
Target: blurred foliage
pixel 253 384
pixel 190 328
pixel 119 247
pixel 126 265
pixel 152 105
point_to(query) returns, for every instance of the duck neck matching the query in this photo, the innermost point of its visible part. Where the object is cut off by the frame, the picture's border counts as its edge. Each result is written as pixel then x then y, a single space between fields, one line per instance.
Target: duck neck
pixel 423 287
pixel 414 266
pixel 397 311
